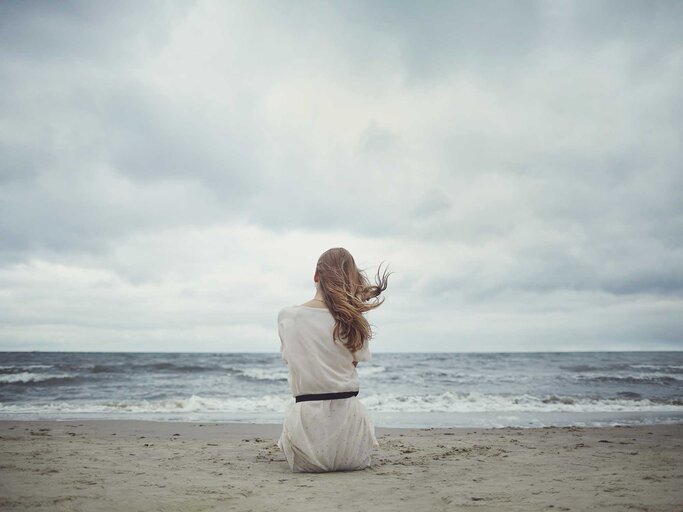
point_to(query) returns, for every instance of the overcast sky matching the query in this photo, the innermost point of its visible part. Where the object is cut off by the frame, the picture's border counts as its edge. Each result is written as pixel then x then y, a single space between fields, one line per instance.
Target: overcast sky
pixel 171 171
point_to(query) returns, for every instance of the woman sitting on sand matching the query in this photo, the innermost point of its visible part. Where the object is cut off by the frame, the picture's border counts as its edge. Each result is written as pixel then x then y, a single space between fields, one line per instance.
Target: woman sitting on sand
pixel 327 428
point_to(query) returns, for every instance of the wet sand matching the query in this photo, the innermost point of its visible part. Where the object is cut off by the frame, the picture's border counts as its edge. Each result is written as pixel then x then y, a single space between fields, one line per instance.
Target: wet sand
pixel 130 465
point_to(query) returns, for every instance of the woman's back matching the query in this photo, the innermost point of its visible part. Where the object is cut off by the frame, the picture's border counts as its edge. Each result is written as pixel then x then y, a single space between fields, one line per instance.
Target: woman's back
pixel 317 363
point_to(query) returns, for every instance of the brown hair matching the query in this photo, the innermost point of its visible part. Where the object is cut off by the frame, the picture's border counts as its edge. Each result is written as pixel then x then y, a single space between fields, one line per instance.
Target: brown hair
pixel 347 291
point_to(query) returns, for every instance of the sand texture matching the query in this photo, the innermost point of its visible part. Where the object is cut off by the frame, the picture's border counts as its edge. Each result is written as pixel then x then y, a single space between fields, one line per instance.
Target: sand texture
pixel 126 465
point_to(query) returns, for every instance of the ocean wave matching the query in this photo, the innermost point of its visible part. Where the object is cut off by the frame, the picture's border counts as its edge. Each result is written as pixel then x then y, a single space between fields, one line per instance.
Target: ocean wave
pixel 445 402
pixel 582 368
pixel 630 395
pixel 443 376
pixel 643 378
pixel 195 403
pixel 664 368
pixel 28 377
pixel 156 367
pixel 479 402
pixel 624 367
pixel 370 370
pixel 16 368
pixel 267 374
pixel 103 368
pixel 162 367
pixel 185 368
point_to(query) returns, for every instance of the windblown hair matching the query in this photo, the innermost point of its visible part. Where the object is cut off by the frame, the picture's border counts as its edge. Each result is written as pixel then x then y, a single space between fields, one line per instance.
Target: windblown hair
pixel 347 292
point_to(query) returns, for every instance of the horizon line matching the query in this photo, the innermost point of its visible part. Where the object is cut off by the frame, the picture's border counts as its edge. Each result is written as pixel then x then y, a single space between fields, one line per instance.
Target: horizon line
pixel 376 352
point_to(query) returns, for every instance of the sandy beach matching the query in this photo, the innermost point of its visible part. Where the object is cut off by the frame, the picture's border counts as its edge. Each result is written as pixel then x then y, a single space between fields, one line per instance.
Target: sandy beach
pixel 135 465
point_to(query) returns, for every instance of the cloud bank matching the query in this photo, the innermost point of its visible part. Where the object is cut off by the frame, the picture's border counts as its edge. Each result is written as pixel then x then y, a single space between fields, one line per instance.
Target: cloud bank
pixel 170 172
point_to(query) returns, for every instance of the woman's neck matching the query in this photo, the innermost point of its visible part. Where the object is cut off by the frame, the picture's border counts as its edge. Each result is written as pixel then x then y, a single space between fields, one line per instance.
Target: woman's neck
pixel 317 301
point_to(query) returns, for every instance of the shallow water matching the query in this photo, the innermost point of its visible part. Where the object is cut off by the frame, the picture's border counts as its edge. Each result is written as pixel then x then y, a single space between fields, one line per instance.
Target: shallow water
pixel 411 390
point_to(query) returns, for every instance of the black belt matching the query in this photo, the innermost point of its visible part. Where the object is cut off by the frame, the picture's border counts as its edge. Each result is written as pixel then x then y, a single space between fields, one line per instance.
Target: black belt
pixel 326 396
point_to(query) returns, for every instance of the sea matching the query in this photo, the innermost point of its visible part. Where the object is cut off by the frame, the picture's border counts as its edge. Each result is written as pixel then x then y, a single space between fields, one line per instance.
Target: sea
pixel 419 390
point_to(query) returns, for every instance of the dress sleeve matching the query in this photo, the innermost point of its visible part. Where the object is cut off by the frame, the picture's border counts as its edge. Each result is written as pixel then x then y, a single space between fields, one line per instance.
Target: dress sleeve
pixel 363 354
pixel 282 343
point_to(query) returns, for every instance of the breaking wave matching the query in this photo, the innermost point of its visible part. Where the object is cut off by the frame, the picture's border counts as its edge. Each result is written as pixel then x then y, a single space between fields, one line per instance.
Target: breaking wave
pixel 267 374
pixel 444 402
pixel 43 378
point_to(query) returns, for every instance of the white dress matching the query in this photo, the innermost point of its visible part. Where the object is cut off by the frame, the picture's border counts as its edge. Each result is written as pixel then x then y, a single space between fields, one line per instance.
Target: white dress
pixel 322 435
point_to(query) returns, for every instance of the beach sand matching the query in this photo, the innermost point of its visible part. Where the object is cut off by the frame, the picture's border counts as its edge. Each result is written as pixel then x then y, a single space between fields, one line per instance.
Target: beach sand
pixel 130 465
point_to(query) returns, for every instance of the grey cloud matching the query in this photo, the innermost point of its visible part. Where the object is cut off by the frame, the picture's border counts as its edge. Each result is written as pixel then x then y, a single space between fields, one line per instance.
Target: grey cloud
pixel 439 37
pixel 43 32
pixel 376 138
pixel 89 156
pixel 149 139
pixel 431 204
pixel 525 149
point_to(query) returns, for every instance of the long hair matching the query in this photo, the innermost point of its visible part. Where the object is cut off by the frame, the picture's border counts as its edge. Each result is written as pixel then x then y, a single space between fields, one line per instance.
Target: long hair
pixel 348 293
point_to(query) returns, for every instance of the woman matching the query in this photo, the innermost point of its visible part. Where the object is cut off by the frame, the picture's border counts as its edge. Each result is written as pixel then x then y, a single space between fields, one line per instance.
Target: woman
pixel 327 428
